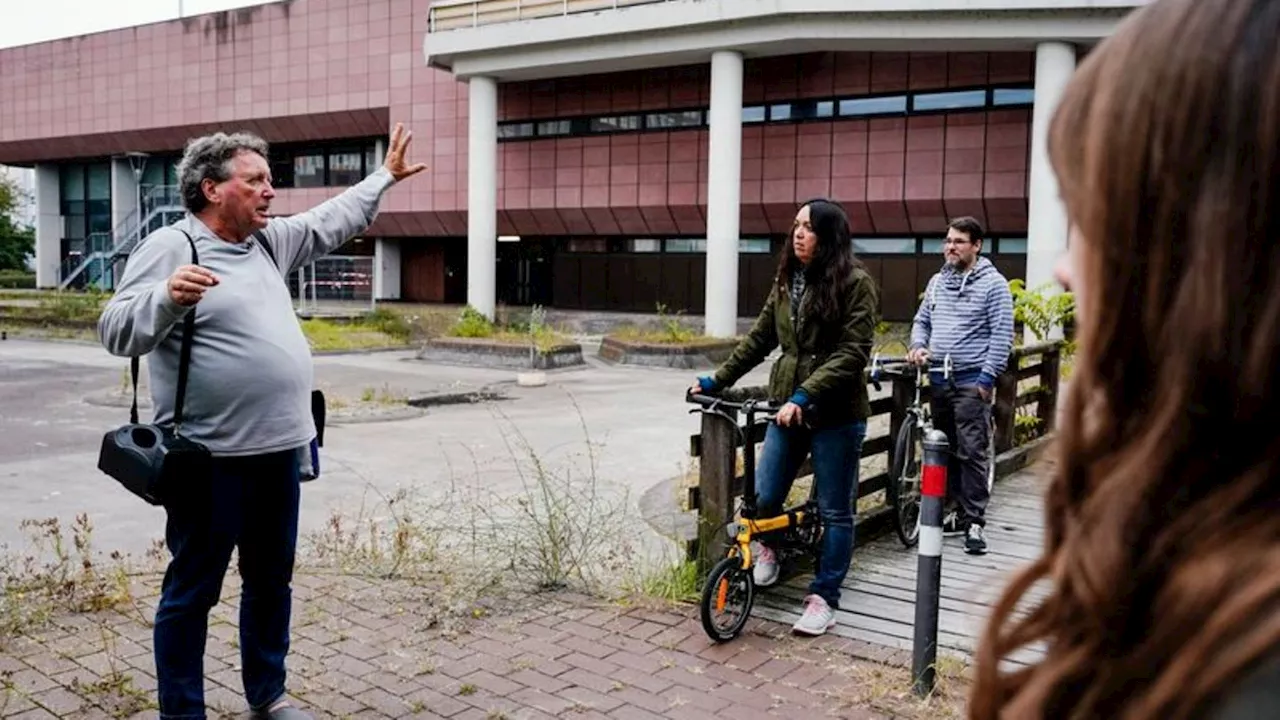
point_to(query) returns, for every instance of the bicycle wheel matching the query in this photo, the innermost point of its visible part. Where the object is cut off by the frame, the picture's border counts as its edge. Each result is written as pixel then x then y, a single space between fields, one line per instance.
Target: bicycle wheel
pixel 903 489
pixel 728 587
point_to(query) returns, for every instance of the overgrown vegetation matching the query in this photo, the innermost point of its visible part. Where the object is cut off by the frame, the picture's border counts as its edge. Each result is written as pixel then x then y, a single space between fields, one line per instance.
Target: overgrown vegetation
pixel 17 280
pixel 565 527
pixel 378 329
pixel 667 329
pixel 472 323
pixel 59 575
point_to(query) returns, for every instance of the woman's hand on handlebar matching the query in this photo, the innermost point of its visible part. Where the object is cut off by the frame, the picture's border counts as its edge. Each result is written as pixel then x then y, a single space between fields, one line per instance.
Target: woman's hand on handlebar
pixel 790 414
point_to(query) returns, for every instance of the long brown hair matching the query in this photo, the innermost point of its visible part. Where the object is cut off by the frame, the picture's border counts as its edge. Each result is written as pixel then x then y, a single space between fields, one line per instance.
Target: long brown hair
pixel 831 270
pixel 1162 543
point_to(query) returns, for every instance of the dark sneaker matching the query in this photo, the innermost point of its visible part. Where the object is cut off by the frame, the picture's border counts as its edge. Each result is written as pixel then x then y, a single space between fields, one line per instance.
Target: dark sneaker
pixel 951 526
pixel 975 541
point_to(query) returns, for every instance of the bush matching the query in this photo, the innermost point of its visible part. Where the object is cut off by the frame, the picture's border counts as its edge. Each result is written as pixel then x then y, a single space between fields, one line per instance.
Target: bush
pixel 1041 313
pixel 388 322
pixel 17 280
pixel 472 324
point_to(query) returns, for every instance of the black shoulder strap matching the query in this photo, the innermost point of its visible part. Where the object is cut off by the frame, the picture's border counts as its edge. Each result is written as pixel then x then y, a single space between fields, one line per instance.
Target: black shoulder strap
pixel 266 247
pixel 184 359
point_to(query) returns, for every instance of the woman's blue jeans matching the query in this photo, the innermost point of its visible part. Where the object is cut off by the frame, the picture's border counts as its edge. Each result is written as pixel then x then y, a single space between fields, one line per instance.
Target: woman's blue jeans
pixel 835 451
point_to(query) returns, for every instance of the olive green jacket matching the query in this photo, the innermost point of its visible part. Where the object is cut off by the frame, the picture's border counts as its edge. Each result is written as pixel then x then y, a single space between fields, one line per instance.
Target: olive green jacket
pixel 831 377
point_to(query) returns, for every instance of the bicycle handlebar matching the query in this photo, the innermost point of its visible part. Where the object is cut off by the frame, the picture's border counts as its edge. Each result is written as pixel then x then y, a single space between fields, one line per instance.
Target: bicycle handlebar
pixel 756 405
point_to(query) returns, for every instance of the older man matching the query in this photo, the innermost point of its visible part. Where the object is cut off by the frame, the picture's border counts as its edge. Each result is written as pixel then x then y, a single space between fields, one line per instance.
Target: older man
pixel 247 399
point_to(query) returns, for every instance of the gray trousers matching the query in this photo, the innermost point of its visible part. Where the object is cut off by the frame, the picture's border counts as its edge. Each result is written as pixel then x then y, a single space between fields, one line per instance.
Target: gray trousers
pixel 964 416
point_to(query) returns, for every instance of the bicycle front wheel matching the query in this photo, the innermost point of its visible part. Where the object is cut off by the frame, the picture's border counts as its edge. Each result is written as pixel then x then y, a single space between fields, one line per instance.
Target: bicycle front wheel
pixel 903 489
pixel 727 597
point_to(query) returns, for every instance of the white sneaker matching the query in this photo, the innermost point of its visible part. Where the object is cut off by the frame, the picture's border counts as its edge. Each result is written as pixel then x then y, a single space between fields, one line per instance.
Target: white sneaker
pixel 818 617
pixel 765 568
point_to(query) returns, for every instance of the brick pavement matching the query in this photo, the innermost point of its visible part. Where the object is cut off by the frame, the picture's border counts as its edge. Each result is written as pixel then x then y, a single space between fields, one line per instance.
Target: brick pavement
pixel 370 649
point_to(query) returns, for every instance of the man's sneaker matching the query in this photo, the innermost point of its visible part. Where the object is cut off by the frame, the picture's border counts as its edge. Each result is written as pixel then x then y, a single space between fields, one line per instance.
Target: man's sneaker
pixel 818 617
pixel 765 568
pixel 975 542
pixel 951 526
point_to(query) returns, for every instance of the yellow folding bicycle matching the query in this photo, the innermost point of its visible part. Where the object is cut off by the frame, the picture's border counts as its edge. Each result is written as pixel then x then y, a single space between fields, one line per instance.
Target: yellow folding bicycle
pixel 728 593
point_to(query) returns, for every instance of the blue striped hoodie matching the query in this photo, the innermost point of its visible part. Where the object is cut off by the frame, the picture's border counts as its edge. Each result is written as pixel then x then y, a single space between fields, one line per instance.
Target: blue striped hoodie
pixel 969 315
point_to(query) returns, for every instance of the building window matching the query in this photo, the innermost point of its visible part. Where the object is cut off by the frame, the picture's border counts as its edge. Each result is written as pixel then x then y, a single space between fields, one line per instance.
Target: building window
pixel 686 119
pixel 885 246
pixel 554 128
pixel 1012 246
pixel 1013 96
pixel 959 100
pixel 923 102
pixel 511 131
pixel 802 110
pixel 344 168
pixel 931 245
pixel 615 124
pixel 892 105
pixel 686 245
pixel 588 245
pixel 755 246
pixel 308 171
pixel 642 245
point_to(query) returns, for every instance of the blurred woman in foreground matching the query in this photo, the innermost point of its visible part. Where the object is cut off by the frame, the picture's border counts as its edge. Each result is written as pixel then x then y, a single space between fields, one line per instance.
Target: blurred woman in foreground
pixel 1162 547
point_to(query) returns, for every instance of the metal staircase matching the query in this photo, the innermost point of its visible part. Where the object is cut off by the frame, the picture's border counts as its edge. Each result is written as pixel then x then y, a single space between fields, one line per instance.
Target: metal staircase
pixel 106 252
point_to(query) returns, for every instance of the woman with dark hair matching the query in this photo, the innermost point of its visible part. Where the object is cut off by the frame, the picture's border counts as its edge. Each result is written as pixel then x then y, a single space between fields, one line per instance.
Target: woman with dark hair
pixel 1162 544
pixel 822 310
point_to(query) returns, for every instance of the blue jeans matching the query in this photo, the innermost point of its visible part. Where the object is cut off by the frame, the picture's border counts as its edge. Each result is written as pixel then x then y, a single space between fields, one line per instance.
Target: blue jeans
pixel 250 503
pixel 835 452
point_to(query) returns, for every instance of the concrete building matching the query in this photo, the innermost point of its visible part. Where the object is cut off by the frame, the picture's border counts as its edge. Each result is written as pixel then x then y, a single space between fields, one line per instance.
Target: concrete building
pixel 599 154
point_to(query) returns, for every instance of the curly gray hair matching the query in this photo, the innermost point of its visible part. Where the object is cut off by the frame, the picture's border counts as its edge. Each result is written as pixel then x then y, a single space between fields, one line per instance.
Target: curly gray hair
pixel 208 158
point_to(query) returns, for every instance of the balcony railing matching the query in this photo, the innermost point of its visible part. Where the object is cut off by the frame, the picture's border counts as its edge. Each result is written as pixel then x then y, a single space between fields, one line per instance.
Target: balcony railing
pixel 456 14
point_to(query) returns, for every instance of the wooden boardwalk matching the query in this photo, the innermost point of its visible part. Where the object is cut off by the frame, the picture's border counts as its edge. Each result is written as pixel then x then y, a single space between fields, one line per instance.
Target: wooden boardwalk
pixel 878 600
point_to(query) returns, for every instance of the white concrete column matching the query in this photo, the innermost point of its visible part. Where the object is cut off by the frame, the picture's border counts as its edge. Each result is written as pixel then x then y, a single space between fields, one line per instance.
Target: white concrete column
pixel 482 195
pixel 386 269
pixel 1047 216
pixel 48 225
pixel 724 193
pixel 124 192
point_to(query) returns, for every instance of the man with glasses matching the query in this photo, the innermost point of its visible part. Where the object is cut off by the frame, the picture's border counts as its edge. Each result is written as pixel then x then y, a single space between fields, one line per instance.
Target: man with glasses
pixel 967 313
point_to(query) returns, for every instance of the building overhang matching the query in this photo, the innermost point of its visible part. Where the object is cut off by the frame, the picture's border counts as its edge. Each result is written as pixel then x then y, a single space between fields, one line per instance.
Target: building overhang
pixel 679 32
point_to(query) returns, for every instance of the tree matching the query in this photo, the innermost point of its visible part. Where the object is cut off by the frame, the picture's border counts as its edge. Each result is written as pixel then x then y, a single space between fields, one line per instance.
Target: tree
pixel 17 241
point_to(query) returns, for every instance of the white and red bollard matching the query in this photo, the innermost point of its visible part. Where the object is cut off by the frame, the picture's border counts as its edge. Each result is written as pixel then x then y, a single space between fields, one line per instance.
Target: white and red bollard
pixel 933 493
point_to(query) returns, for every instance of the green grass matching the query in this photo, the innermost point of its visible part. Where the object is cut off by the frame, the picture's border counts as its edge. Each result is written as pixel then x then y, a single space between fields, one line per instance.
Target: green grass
pixel 326 335
pixel 670 334
pixel 473 324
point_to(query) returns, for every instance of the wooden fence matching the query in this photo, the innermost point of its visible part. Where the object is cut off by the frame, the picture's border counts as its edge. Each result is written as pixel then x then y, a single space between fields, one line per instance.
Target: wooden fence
pixel 1023 412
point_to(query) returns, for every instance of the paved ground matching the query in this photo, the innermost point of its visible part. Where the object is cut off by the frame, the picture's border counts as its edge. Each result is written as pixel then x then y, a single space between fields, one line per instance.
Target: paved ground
pixel 365 649
pixel 635 418
pixel 387 648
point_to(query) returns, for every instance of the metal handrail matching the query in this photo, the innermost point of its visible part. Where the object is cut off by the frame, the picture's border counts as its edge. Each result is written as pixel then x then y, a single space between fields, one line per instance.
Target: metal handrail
pixel 493 12
pixel 103 247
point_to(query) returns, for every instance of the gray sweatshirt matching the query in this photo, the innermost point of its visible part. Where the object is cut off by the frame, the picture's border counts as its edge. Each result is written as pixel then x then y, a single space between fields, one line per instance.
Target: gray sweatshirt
pixel 250 379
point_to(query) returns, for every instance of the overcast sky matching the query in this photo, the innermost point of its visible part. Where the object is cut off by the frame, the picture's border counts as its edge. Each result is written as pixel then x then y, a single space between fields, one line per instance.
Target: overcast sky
pixel 25 22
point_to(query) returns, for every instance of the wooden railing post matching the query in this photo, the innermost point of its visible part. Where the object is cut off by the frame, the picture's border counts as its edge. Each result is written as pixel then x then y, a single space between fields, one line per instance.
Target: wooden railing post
pixel 717 469
pixel 1050 374
pixel 1006 400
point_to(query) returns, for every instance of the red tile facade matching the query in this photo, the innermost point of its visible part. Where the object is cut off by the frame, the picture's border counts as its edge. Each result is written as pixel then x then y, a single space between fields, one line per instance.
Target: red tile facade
pixel 313 69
